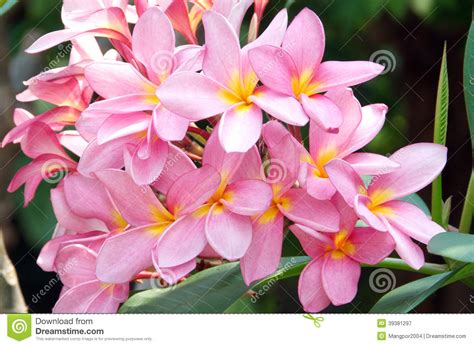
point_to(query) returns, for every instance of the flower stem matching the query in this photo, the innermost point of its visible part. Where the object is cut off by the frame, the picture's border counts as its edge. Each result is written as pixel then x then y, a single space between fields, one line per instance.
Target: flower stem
pixel 396 263
pixel 466 216
pixel 146 275
pixel 296 132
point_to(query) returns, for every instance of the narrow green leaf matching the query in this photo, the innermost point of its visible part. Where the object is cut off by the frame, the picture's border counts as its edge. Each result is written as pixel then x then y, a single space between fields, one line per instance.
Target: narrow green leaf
pixel 442 103
pixel 467 209
pixel 454 245
pixel 440 131
pixel 468 80
pixel 407 297
pixel 446 212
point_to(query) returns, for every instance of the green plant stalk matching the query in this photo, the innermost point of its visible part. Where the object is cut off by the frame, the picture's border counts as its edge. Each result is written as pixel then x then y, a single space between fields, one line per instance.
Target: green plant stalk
pixel 466 216
pixel 389 263
pixel 436 201
pixel 396 263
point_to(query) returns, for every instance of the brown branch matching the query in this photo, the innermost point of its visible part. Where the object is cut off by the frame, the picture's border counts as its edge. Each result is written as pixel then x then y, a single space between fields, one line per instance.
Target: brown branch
pixel 11 298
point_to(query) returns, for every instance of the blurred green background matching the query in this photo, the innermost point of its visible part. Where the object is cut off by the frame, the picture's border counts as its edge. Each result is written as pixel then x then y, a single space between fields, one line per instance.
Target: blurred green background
pixel 405 35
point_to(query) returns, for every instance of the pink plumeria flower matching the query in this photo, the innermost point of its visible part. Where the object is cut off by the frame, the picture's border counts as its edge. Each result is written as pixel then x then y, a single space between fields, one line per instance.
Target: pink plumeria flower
pixel 263 256
pixel 42 145
pixel 259 6
pixel 224 220
pixel 76 12
pixel 90 18
pixel 228 85
pixel 64 87
pixel 186 20
pixel 360 125
pixel 56 118
pixel 149 219
pixel 333 273
pixel 130 97
pixel 48 255
pixel 379 205
pixel 83 292
pixel 82 204
pixel 296 70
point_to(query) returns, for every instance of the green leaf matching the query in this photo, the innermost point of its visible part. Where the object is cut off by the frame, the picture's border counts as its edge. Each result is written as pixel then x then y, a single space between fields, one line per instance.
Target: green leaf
pixel 454 245
pixel 467 209
pixel 468 80
pixel 442 103
pixel 210 291
pixel 440 131
pixel 407 297
pixel 446 212
pixel 213 290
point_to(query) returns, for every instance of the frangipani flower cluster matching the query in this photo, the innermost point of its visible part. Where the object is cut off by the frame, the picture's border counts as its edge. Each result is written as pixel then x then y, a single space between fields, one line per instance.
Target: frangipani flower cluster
pixel 170 153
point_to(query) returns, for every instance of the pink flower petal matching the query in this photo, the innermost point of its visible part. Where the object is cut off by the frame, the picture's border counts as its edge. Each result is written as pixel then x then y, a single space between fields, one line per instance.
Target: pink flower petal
pixel 155 54
pixel 247 197
pixel 322 142
pixel 222 58
pixel 420 164
pixel 410 220
pixel 169 126
pixel 194 96
pixel 345 180
pixel 323 111
pixel 331 74
pixel 183 241
pixel 281 106
pixel 89 199
pixel 373 118
pixel 121 125
pixel 134 245
pixel 75 265
pixel 408 251
pixel 229 234
pixel 371 164
pixel 266 60
pixel 372 219
pixel 304 40
pixel 340 276
pixel 300 207
pixel 177 164
pixel 138 204
pixel 239 120
pixel 317 187
pixel 310 287
pixel 313 242
pixel 114 78
pixel 225 163
pixel 146 170
pixel 108 155
pixel 370 246
pixel 185 195
pixel 263 256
